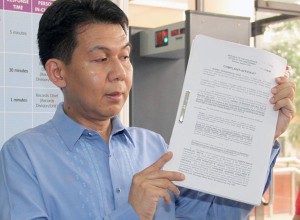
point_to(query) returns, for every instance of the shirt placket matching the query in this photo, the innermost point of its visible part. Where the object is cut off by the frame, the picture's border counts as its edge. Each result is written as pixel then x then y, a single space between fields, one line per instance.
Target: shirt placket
pixel 121 167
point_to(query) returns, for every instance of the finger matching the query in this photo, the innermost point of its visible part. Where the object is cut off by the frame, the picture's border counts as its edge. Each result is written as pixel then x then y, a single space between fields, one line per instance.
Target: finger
pixel 280 86
pixel 286 90
pixel 281 79
pixel 162 193
pixel 165 184
pixel 286 93
pixel 283 83
pixel 286 106
pixel 159 163
pixel 167 197
pixel 164 174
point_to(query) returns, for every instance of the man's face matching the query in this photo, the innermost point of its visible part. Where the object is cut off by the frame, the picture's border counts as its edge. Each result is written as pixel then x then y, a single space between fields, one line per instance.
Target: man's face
pixel 99 77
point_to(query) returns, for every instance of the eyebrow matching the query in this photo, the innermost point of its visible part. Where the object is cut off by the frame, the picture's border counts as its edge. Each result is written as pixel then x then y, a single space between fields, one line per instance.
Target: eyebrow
pixel 99 47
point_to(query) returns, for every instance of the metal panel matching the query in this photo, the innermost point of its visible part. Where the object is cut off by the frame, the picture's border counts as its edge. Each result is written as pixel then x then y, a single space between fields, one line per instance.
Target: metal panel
pixel 225 27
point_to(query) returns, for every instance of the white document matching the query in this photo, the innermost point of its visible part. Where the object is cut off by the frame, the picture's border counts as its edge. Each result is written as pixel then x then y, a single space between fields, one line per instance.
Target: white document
pixel 225 125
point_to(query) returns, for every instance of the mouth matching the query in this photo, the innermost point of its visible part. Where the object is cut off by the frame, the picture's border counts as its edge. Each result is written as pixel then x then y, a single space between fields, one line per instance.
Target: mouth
pixel 115 95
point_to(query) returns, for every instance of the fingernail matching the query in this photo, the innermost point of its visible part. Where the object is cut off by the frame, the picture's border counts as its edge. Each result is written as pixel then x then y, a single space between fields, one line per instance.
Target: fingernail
pixel 272 100
pixel 273 90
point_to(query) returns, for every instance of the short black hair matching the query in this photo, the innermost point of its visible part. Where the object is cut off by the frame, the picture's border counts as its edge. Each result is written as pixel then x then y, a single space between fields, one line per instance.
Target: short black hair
pixel 57 36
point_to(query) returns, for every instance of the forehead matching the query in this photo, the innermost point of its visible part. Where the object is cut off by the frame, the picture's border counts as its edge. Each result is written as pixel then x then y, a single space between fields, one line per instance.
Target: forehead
pixel 101 33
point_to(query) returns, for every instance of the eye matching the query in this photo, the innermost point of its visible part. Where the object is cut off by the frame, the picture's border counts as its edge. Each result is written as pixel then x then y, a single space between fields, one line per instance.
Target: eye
pixel 99 60
pixel 125 57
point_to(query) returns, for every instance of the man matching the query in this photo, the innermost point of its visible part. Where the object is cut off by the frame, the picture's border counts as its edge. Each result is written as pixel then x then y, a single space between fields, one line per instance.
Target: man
pixel 84 164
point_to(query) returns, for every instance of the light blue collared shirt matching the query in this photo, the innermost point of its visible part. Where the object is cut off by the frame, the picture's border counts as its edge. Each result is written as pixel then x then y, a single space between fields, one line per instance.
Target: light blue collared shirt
pixel 63 171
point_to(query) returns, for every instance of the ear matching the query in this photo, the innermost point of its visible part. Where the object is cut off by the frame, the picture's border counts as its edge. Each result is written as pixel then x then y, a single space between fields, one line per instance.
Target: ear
pixel 54 69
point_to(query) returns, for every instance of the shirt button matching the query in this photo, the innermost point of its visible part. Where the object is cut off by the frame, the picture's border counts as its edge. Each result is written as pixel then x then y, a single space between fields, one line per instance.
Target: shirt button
pixel 118 190
pixel 90 134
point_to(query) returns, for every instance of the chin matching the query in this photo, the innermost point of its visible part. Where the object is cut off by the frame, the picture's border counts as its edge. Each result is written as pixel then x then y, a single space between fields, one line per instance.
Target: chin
pixel 113 112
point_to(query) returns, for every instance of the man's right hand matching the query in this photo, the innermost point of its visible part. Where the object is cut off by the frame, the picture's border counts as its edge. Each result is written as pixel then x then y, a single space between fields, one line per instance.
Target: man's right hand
pixel 151 184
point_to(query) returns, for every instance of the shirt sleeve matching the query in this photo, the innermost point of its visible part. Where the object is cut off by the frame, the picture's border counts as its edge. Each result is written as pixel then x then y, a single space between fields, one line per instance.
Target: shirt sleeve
pixel 20 195
pixel 198 205
pixel 274 155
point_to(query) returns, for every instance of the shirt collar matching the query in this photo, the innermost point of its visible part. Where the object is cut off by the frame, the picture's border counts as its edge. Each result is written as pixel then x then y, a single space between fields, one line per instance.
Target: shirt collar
pixel 118 128
pixel 70 131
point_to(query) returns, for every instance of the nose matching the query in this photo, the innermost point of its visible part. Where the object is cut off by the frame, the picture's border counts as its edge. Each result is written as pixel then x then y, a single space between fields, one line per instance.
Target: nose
pixel 117 71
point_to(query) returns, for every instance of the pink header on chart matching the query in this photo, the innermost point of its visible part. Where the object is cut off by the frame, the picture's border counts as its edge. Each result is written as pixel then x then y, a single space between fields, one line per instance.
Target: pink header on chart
pixel 1 4
pixel 18 5
pixel 39 6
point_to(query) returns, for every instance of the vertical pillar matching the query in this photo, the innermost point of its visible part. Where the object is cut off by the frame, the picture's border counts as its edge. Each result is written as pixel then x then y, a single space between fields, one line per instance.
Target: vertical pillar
pixel 200 5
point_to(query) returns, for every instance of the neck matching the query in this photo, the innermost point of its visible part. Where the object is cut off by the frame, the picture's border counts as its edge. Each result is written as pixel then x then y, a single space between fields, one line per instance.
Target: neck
pixel 105 132
pixel 103 127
